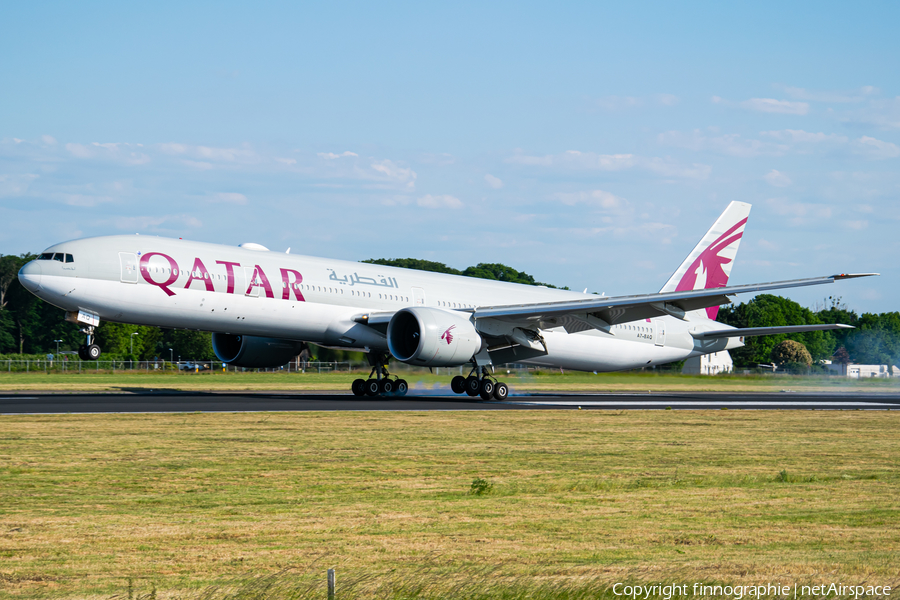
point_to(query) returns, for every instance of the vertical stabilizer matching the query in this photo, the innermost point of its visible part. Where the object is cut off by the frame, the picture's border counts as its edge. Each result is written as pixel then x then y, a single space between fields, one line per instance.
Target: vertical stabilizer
pixel 709 264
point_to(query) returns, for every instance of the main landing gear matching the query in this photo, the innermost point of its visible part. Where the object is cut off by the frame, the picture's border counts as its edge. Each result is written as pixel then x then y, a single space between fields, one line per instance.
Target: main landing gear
pixel 379 382
pixel 485 385
pixel 89 350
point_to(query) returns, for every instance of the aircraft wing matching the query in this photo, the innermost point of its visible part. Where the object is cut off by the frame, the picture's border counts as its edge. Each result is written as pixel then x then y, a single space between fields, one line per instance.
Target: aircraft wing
pixel 600 312
pixel 751 331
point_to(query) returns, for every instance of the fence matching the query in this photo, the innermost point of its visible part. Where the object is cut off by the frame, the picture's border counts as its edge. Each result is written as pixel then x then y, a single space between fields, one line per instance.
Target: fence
pixel 158 366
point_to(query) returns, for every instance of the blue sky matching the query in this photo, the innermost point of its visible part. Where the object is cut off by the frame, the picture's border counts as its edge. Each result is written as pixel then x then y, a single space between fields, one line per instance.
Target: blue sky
pixel 588 144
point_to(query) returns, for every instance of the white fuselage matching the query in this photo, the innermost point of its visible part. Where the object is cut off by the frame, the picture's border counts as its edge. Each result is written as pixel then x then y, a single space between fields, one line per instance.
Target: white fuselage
pixel 192 285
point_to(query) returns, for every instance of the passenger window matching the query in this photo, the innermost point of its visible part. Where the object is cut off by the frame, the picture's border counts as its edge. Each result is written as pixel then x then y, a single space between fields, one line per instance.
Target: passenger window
pixel 46 256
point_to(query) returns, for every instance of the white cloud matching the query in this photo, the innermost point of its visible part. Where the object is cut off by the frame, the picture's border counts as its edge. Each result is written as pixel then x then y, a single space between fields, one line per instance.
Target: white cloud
pixel 228 198
pixel 15 185
pixel 884 114
pixel 445 201
pixel 729 144
pixel 777 178
pixel 598 198
pixel 875 149
pixel 49 140
pixel 798 136
pixel 286 161
pixel 199 164
pixel 800 213
pixel 615 103
pixel 770 105
pixel 856 224
pixel 209 153
pixel 115 151
pixel 332 155
pixel 591 161
pixel 153 223
pixel 859 95
pixel 396 173
pixel 493 182
pixel 85 200
pixel 618 102
pixel 79 150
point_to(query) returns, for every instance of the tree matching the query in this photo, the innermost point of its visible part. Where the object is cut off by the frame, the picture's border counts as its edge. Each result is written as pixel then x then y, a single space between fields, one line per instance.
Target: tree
pixel 414 263
pixel 9 272
pixel 790 353
pixel 494 271
pixel 877 339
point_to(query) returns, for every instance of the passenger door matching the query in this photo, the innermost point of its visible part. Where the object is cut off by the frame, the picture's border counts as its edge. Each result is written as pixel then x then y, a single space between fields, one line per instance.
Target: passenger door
pixel 129 266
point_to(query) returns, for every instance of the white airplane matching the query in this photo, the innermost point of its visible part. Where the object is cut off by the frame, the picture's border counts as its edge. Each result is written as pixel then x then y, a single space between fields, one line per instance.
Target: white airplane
pixel 261 307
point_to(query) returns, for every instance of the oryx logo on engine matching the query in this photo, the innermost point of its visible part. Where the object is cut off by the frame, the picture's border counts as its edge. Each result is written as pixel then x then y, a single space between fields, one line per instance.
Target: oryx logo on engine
pixel 447 335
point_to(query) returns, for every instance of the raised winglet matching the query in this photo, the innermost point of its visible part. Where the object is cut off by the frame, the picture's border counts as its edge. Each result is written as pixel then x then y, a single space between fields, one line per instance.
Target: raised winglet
pixel 854 275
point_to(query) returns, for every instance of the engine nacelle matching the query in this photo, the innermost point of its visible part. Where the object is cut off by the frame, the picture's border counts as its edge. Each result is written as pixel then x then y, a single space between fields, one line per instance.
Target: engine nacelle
pixel 432 337
pixel 251 351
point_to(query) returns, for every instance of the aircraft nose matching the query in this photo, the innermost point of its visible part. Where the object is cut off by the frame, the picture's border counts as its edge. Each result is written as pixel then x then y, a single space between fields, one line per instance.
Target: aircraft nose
pixel 30 276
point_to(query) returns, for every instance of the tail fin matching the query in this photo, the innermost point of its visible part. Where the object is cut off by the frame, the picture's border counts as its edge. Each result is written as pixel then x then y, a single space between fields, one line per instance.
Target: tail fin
pixel 709 264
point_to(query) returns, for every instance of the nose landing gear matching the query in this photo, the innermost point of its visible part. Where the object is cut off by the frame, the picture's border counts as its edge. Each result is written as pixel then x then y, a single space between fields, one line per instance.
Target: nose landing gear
pixel 89 350
pixel 379 382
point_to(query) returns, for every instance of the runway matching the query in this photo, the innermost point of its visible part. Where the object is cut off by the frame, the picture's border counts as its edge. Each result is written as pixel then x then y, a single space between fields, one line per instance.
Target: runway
pixel 173 401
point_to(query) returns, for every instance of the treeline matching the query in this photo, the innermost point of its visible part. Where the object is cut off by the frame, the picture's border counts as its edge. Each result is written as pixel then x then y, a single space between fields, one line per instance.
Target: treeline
pixel 876 339
pixel 493 271
pixel 31 326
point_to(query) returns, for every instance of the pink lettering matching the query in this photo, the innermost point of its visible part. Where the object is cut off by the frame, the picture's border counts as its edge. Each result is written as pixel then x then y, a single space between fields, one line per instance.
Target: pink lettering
pixel 229 271
pixel 173 272
pixel 259 275
pixel 203 276
pixel 291 284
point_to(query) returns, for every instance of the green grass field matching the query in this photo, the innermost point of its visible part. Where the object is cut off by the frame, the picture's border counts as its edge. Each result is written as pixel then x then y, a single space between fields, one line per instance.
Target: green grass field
pixel 577 500
pixel 519 381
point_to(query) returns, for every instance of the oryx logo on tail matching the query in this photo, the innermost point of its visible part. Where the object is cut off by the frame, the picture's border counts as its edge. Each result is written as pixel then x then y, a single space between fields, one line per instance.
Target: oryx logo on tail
pixel 709 265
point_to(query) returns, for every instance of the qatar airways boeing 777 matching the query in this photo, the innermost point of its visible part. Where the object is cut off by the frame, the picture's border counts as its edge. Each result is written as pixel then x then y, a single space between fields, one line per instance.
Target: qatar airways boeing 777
pixel 261 306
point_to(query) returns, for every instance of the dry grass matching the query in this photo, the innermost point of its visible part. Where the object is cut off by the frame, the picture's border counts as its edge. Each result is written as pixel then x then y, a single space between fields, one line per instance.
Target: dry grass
pixel 181 501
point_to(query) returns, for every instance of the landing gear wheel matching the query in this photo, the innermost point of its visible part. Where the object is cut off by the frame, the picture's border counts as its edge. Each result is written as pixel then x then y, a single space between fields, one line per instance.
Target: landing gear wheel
pixel 358 387
pixel 372 387
pixel 473 386
pixel 401 387
pixel 458 384
pixel 487 389
pixel 501 391
pixel 82 352
pixel 387 387
pixel 92 352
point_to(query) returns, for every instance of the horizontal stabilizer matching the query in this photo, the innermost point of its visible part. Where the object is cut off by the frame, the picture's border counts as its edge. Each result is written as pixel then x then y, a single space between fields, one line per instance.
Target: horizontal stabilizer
pixel 751 331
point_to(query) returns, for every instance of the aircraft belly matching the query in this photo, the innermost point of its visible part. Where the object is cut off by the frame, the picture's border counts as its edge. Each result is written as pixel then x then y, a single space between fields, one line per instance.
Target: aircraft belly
pixel 603 353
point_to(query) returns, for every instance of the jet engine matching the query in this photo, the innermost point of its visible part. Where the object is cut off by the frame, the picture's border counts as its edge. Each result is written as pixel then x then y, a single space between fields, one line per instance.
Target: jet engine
pixel 251 351
pixel 432 337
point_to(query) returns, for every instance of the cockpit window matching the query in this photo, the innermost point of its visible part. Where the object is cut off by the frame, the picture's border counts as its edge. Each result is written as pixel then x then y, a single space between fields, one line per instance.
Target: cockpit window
pixel 69 258
pixel 46 256
pixel 60 257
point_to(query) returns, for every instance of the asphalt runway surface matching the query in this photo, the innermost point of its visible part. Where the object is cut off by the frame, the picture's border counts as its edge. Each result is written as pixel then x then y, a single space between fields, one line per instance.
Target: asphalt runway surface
pixel 173 401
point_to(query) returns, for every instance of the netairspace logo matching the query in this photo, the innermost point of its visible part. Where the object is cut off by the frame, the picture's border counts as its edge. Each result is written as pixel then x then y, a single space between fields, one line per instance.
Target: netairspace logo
pixel 677 591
